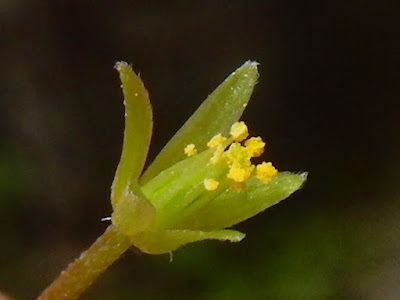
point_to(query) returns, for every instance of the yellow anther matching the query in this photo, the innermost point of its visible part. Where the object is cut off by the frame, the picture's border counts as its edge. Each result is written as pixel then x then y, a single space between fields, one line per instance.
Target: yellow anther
pixel 238 174
pixel 265 172
pixel 190 150
pixel 255 146
pixel 211 184
pixel 238 160
pixel 216 140
pixel 217 143
pixel 219 150
pixel 239 131
pixel 237 155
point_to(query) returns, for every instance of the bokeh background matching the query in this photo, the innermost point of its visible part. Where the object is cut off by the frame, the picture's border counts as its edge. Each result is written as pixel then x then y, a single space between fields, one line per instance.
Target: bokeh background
pixel 326 102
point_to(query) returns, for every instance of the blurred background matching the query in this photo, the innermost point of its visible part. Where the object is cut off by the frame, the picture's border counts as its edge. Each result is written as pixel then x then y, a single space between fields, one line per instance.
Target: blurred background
pixel 326 103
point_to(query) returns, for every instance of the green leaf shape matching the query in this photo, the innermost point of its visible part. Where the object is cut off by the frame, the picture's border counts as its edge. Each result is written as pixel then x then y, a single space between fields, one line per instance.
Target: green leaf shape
pixel 161 242
pixel 233 206
pixel 215 115
pixel 180 185
pixel 137 134
pixel 132 214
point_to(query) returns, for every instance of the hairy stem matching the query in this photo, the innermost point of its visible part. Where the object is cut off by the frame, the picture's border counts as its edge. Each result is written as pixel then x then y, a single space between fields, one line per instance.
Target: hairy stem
pixel 81 273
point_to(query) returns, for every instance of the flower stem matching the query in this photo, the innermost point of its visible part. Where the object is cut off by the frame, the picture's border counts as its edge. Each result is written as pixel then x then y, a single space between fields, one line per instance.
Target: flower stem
pixel 81 273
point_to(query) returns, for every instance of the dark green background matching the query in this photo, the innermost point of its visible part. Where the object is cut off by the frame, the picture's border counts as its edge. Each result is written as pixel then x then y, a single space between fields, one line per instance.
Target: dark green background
pixel 326 102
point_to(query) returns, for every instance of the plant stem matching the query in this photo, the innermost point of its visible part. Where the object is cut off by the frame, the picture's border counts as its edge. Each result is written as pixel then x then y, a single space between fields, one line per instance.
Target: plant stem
pixel 81 273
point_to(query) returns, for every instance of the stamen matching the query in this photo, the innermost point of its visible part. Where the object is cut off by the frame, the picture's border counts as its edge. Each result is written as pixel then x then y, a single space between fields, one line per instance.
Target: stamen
pixel 217 154
pixel 239 131
pixel 265 172
pixel 255 146
pixel 190 150
pixel 211 184
pixel 238 174
pixel 238 155
pixel 217 143
pixel 238 159
pixel 216 140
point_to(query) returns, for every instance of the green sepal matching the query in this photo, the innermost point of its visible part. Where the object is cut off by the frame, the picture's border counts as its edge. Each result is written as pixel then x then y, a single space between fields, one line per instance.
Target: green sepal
pixel 180 186
pixel 215 115
pixel 137 134
pixel 160 242
pixel 132 214
pixel 233 206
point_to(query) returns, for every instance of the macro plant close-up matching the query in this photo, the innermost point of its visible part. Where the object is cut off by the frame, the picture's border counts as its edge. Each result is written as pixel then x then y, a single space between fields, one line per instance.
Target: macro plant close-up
pixel 203 150
pixel 202 182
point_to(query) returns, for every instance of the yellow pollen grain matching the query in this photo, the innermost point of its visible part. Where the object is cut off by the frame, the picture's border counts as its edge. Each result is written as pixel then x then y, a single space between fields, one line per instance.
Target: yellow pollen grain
pixel 219 150
pixel 265 172
pixel 237 155
pixel 190 150
pixel 211 184
pixel 216 140
pixel 239 131
pixel 238 174
pixel 255 146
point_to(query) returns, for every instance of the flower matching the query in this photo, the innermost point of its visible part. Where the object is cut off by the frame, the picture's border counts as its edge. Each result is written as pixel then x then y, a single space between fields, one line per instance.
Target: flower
pixel 204 180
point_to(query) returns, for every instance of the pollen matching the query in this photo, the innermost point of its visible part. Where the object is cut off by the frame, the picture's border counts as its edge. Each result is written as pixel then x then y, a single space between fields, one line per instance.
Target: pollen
pixel 219 150
pixel 238 160
pixel 238 174
pixel 238 155
pixel 255 146
pixel 217 143
pixel 190 150
pixel 216 140
pixel 239 131
pixel 265 172
pixel 211 184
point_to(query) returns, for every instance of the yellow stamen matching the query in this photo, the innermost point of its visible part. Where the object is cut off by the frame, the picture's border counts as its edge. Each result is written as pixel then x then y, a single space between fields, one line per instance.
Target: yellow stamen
pixel 238 174
pixel 216 140
pixel 217 143
pixel 239 131
pixel 211 184
pixel 217 154
pixel 255 146
pixel 190 150
pixel 265 172
pixel 237 155
pixel 238 160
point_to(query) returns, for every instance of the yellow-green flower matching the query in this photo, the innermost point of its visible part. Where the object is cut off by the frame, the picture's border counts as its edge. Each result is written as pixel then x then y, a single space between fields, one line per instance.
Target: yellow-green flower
pixel 204 180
